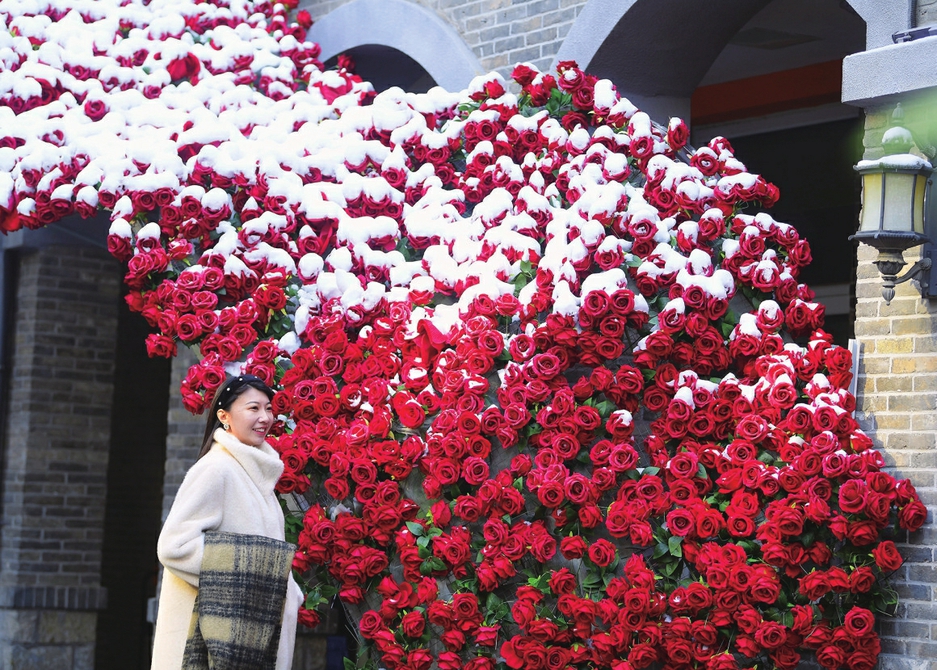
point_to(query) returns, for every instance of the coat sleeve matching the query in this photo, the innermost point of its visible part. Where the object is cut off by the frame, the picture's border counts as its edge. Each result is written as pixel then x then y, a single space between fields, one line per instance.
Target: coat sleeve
pixel 198 507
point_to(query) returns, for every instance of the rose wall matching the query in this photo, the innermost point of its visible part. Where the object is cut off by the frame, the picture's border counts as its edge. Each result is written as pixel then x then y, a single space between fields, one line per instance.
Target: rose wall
pixel 549 392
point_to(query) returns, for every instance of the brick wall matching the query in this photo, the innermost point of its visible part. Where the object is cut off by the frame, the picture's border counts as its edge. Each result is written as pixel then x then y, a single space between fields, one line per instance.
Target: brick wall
pixel 57 440
pixel 500 32
pixel 897 406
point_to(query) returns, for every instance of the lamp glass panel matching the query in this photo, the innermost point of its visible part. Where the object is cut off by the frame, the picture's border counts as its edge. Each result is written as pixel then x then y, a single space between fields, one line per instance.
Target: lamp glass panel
pixel 918 204
pixel 899 203
pixel 871 201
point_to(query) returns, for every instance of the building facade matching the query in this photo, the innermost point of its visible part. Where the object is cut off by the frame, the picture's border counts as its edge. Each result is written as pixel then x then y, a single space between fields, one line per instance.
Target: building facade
pixel 95 440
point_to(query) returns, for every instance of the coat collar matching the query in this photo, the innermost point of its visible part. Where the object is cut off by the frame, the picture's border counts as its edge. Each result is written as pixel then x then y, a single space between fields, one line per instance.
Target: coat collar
pixel 262 464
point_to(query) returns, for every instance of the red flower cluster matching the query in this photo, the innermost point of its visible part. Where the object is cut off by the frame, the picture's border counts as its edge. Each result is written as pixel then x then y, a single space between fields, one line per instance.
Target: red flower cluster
pixel 537 396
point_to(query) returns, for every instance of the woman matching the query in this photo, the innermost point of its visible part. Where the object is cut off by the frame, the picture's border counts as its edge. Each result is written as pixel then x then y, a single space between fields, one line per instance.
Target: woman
pixel 228 489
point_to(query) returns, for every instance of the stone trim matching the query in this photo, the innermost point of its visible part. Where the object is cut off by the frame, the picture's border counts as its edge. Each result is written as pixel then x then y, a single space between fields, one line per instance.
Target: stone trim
pixel 53 597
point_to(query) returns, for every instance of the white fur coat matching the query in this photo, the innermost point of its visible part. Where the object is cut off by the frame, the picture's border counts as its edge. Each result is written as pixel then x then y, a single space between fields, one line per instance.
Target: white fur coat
pixel 229 489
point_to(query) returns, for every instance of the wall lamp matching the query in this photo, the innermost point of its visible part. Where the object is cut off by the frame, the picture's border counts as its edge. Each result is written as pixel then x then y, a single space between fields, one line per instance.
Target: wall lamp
pixel 894 212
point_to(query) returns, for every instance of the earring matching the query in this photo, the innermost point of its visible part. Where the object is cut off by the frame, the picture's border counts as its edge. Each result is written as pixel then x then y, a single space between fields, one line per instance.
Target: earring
pixel 226 427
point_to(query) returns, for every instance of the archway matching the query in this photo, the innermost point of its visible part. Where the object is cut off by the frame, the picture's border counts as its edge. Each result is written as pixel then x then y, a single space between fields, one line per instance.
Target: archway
pixel 656 59
pixel 404 26
pixel 767 74
pixel 385 67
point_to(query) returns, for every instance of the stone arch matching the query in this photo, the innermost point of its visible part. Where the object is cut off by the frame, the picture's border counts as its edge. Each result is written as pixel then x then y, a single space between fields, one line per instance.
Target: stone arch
pixel 656 59
pixel 404 26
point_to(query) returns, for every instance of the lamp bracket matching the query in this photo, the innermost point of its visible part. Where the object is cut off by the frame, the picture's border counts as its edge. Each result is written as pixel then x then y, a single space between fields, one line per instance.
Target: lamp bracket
pixel 920 272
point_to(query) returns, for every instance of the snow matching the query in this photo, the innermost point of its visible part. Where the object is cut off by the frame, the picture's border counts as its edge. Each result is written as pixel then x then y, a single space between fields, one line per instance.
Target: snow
pixel 895 161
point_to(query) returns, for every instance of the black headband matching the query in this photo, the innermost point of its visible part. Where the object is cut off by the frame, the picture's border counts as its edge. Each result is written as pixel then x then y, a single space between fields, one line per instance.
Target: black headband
pixel 235 385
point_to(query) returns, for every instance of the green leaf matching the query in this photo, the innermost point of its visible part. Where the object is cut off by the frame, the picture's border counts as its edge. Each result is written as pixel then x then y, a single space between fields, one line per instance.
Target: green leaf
pixel 660 550
pixel 415 528
pixel 592 581
pixel 541 582
pixel 431 565
pixel 673 545
pixel 652 470
pixel 348 664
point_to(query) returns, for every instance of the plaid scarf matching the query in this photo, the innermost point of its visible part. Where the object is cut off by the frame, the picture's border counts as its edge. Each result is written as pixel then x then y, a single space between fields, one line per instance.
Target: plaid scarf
pixel 239 608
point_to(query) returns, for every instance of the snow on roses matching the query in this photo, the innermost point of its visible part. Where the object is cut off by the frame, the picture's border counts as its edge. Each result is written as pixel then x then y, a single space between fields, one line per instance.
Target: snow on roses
pixel 532 352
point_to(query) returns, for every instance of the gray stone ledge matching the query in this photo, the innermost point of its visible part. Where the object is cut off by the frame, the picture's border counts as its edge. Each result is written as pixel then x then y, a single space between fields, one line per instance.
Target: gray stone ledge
pixel 891 73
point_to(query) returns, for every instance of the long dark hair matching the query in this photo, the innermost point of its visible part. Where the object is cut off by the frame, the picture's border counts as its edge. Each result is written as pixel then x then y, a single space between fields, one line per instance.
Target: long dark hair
pixel 225 396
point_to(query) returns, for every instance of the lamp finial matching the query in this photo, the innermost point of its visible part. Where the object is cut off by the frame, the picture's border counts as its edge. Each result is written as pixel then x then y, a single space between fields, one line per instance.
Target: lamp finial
pixel 897 139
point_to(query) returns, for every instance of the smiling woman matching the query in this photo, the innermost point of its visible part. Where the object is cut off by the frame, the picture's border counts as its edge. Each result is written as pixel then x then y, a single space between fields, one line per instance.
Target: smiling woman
pixel 230 490
pixel 249 415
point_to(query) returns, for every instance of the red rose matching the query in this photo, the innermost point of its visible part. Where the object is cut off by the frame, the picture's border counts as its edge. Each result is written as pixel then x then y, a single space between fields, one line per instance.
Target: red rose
pixel 602 552
pixel 186 67
pixel 859 622
pixel 852 495
pixel 523 74
pixel 814 585
pixel 771 635
pixel 412 624
pixel 95 109
pixel 419 659
pixel 449 660
pixel 912 516
pixel 887 557
pixel 642 655
pixel 487 636
pixel 573 546
pixel 562 581
pixel 830 656
pixel 475 470
pixel 680 522
pixel 160 345
pixel 861 533
pixel 453 639
pixel 724 661
pixel 523 612
pixel 369 623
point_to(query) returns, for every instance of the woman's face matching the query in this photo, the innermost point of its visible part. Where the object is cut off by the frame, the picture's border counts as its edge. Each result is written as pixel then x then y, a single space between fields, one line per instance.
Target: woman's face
pixel 249 417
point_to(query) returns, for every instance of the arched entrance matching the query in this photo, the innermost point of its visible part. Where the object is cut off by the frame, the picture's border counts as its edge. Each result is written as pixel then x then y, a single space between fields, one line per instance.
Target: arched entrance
pixel 405 27
pixel 766 74
pixel 385 67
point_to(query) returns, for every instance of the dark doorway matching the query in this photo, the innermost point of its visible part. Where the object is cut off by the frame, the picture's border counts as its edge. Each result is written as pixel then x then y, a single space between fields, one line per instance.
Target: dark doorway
pixel 134 498
pixel 385 67
pixel 812 167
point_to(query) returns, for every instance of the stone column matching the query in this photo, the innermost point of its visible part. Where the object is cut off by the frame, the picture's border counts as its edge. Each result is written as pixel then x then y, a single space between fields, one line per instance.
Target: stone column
pixel 55 462
pixel 184 431
pixel 897 406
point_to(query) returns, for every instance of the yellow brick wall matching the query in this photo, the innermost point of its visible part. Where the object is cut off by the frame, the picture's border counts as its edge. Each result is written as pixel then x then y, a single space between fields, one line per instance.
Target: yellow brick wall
pixel 897 406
